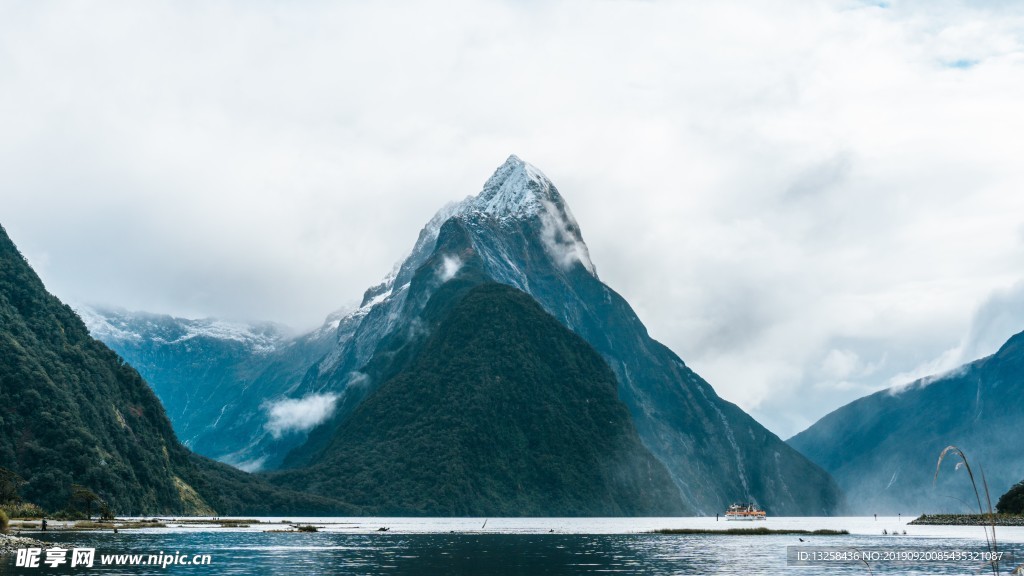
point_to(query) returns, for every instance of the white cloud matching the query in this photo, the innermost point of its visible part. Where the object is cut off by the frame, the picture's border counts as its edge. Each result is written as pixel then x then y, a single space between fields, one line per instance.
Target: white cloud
pixel 298 414
pixel 357 379
pixel 560 240
pixel 840 363
pixel 927 372
pixel 764 181
pixel 450 266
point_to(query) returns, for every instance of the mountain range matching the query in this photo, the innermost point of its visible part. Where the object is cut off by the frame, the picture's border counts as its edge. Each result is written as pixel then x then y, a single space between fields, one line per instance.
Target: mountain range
pixel 491 372
pixel 302 404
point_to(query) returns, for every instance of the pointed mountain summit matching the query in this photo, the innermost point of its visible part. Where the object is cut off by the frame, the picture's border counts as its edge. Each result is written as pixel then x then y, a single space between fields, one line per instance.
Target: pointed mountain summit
pixel 519 231
pixel 515 189
pixel 519 190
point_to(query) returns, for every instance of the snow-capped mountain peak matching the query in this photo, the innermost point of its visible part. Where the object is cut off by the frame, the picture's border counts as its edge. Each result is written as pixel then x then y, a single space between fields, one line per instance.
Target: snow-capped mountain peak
pixel 517 188
pixel 519 191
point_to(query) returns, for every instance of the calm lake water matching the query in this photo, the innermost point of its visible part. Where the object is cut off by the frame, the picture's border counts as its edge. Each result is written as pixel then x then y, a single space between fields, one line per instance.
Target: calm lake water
pixel 529 546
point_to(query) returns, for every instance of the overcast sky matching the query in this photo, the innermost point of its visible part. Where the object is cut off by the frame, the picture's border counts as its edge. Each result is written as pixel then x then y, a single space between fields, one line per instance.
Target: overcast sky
pixel 806 200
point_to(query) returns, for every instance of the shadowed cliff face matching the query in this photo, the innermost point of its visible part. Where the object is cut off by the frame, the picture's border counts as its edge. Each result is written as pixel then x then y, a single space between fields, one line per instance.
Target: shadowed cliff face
pixel 883 448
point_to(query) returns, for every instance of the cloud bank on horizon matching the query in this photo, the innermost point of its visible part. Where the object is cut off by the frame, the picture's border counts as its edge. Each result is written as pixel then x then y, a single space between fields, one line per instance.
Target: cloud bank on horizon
pixel 806 201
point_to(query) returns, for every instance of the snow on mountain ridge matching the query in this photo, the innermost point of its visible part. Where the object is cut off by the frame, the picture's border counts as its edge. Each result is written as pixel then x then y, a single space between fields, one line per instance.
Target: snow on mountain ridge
pixel 100 326
pixel 137 326
pixel 260 342
pixel 331 323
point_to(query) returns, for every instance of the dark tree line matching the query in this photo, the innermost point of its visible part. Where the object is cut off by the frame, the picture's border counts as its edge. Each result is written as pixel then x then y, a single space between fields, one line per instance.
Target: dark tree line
pixel 1013 501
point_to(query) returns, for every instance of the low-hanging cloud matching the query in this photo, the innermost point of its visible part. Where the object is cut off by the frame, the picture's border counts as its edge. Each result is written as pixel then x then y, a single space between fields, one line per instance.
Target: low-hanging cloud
pixel 357 379
pixel 298 414
pixel 450 266
pixel 559 238
pixel 999 317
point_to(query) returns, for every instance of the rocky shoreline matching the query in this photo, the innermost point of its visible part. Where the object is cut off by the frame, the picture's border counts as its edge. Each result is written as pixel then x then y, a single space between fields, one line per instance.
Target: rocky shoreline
pixel 10 544
pixel 969 520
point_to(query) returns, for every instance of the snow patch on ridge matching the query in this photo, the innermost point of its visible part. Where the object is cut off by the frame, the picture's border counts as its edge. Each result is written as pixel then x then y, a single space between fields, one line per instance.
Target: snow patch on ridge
pixel 332 322
pixel 222 330
pixel 376 300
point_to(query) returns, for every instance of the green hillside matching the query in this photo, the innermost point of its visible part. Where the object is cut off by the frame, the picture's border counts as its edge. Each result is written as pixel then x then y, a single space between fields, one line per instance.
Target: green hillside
pixel 500 411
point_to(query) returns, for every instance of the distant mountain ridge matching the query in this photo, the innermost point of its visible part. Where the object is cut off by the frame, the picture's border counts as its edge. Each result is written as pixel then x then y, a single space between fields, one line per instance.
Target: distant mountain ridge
pixel 883 448
pixel 141 326
pixel 215 378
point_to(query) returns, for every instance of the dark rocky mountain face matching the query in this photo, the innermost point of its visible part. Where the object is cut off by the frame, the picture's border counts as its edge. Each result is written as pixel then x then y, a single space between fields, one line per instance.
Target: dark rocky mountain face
pixel 883 448
pixel 500 411
pixel 73 412
pixel 519 231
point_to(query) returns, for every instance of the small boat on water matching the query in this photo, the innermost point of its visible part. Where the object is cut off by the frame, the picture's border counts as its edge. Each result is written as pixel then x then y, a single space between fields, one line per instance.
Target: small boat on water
pixel 745 512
